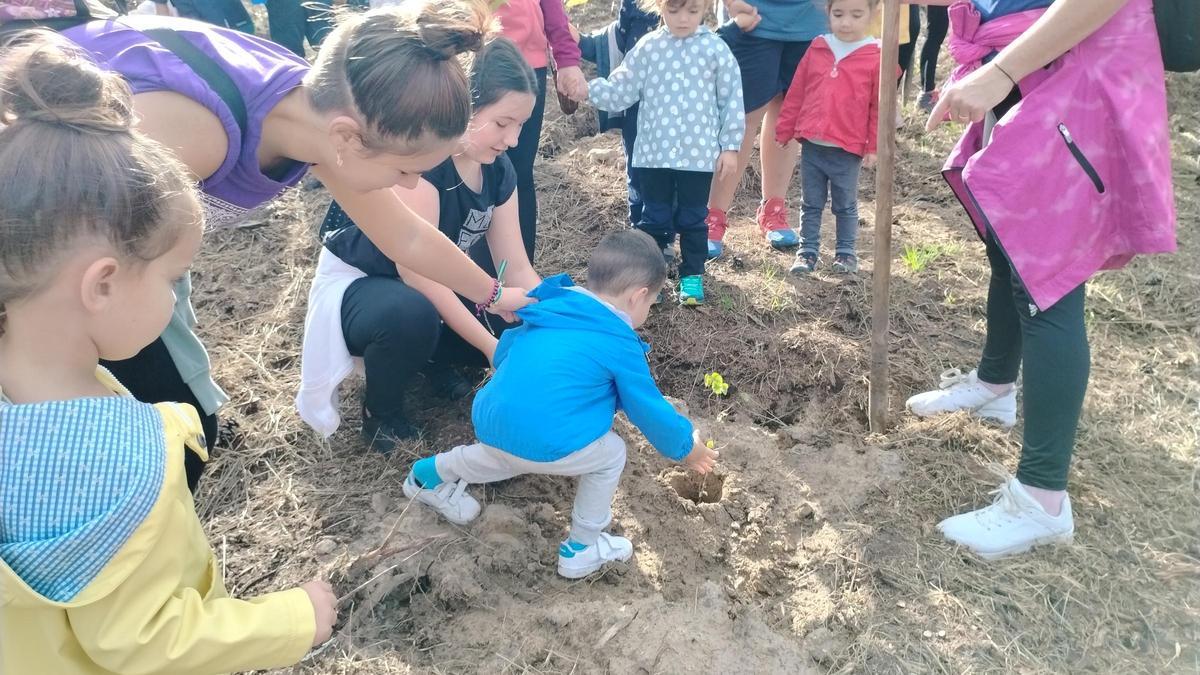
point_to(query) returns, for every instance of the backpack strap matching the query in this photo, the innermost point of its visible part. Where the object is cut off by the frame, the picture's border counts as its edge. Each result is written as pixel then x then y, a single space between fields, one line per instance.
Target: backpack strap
pixel 206 69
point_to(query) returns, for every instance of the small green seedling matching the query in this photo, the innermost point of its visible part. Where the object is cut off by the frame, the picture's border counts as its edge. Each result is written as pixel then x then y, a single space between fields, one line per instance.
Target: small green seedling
pixel 716 383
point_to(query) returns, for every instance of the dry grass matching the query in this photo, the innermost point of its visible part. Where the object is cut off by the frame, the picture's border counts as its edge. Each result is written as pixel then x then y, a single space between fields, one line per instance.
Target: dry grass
pixel 821 554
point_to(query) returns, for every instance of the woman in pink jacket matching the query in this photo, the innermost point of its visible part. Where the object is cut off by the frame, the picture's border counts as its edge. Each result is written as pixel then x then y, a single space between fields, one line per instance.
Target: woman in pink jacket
pixel 1065 170
pixel 540 29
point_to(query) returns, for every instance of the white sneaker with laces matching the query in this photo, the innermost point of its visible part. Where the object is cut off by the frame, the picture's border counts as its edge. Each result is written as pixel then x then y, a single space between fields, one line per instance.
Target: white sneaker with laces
pixel 575 562
pixel 965 392
pixel 449 499
pixel 1014 523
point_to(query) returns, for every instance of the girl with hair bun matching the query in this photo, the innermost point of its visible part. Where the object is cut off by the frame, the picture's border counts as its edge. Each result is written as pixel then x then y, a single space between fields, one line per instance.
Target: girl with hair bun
pixel 385 100
pixel 104 564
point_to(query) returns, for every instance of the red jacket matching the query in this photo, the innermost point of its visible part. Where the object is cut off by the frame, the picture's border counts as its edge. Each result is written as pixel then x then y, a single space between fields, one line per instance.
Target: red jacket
pixel 833 102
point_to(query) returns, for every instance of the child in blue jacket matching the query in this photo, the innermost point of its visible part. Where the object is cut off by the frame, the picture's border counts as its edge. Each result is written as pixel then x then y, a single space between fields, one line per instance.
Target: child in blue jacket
pixel 560 378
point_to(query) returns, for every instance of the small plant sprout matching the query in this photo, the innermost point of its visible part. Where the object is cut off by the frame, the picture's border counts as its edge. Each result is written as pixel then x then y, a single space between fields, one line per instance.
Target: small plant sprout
pixel 716 384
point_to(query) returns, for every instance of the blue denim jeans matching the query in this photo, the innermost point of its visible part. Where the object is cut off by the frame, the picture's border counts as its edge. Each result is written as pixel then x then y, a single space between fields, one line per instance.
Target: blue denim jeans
pixel 827 171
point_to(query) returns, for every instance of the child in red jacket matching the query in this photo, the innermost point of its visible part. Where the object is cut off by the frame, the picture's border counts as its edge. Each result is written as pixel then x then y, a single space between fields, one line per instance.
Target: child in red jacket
pixel 832 109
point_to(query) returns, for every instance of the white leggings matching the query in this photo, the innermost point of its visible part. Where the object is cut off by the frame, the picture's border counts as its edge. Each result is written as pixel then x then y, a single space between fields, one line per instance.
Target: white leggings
pixel 598 466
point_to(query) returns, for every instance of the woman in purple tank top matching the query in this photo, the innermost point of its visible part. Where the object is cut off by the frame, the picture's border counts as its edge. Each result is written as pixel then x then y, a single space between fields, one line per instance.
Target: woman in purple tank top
pixel 385 101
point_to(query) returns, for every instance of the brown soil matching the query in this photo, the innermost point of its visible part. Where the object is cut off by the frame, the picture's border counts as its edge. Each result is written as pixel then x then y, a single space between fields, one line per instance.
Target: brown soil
pixel 812 549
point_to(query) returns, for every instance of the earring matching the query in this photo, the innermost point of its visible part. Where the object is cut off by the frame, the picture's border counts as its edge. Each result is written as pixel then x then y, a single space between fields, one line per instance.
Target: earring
pixel 339 158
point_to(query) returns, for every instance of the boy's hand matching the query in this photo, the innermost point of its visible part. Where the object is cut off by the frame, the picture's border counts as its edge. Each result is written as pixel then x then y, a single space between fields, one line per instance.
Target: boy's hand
pixel 726 164
pixel 324 603
pixel 870 160
pixel 701 459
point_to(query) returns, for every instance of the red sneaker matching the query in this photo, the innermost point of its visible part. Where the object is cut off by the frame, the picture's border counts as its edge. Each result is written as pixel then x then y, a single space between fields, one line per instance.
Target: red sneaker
pixel 717 224
pixel 773 222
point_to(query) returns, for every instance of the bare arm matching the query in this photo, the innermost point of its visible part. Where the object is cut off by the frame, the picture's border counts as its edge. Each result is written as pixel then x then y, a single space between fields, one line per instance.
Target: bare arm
pixel 423 200
pixel 1065 24
pixel 414 244
pixel 505 243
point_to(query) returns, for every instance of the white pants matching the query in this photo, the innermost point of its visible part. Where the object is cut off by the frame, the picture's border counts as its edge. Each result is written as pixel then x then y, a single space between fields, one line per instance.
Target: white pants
pixel 598 466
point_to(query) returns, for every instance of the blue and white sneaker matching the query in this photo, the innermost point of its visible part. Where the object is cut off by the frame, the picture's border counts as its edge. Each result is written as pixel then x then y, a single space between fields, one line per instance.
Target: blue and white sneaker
pixel 576 560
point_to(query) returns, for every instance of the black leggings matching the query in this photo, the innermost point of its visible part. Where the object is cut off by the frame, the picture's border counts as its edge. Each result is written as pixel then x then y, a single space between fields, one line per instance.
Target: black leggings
pixel 935 34
pixel 398 332
pixel 522 158
pixel 152 377
pixel 1052 345
pixel 907 49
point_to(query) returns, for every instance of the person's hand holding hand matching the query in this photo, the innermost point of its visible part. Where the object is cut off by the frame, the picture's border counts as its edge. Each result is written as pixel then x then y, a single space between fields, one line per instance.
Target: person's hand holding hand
pixel 701 459
pixel 744 15
pixel 969 99
pixel 572 84
pixel 726 164
pixel 324 603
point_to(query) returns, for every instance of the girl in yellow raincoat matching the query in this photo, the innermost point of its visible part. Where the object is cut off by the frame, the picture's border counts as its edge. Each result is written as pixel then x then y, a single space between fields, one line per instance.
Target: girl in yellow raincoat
pixel 104 567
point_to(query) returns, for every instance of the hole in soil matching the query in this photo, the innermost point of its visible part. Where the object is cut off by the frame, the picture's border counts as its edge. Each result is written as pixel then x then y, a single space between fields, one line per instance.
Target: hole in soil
pixel 706 489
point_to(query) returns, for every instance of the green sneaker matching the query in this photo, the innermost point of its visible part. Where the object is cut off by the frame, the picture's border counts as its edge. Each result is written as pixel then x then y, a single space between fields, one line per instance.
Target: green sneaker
pixel 691 290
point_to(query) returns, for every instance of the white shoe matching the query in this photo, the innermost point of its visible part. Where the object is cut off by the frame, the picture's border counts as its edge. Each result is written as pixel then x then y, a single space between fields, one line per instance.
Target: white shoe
pixel 449 499
pixel 965 392
pixel 576 563
pixel 1014 523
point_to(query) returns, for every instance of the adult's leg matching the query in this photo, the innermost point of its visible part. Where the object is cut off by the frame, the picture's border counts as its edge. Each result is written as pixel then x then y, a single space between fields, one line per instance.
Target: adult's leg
pixel 523 157
pixel 724 189
pixel 778 164
pixel 935 34
pixel 1057 359
pixel 236 16
pixel 1001 360
pixel 691 195
pixel 658 193
pixel 815 191
pixel 909 48
pixel 285 22
pixel 394 329
pixel 152 377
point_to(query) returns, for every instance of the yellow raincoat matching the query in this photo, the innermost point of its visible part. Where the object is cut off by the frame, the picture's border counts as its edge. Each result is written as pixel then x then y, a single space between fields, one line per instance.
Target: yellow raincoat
pixel 157 603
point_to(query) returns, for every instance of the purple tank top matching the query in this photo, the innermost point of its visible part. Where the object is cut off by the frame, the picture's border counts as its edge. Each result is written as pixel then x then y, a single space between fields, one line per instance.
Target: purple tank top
pixel 262 71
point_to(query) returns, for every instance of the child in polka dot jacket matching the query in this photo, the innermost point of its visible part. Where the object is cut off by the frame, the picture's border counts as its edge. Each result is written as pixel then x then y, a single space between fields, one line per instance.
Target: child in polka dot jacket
pixel 690 124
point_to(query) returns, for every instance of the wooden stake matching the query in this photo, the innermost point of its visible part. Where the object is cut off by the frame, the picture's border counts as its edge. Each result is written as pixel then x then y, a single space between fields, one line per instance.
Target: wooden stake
pixel 885 174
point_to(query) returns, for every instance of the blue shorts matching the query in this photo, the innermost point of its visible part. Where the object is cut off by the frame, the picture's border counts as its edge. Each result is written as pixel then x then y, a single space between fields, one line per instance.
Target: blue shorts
pixel 767 66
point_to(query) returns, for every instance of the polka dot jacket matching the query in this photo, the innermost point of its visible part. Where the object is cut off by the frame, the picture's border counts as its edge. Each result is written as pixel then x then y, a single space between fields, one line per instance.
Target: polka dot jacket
pixel 690 91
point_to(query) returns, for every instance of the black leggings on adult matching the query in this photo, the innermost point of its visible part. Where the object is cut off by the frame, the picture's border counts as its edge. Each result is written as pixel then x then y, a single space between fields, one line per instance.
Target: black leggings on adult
pixel 1052 346
pixel 398 333
pixel 935 33
pixel 522 158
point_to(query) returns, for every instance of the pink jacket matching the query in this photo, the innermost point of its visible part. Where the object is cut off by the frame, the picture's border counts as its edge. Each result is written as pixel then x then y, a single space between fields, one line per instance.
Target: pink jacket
pixel 1077 176
pixel 537 27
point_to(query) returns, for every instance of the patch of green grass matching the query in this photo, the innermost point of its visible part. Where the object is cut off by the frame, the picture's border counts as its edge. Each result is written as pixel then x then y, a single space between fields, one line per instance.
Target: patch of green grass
pixel 918 257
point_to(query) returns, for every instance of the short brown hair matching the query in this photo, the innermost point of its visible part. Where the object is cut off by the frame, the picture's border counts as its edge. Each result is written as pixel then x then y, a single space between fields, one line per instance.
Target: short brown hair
pixel 624 260
pixel 72 166
pixel 395 68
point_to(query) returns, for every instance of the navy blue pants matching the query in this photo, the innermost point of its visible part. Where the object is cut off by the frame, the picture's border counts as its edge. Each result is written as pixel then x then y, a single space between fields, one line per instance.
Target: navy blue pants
pixel 522 158
pixel 675 203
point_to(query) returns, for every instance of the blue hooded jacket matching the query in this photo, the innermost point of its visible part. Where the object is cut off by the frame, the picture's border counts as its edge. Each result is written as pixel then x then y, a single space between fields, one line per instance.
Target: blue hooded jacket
pixel 562 375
